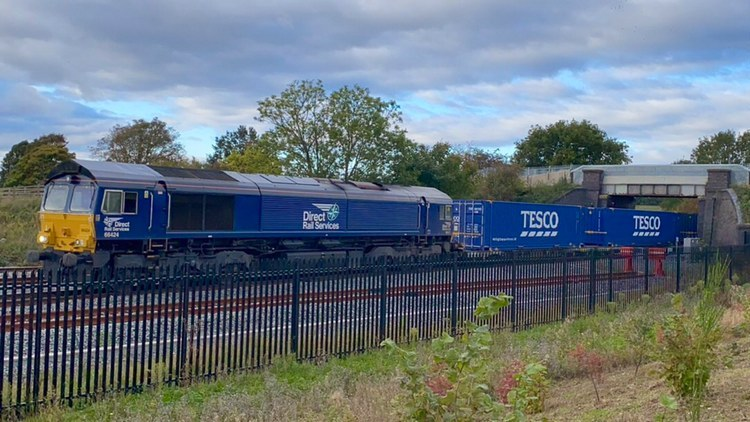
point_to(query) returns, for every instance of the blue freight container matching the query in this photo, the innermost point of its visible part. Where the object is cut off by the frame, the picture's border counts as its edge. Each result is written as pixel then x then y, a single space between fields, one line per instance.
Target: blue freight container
pixel 494 225
pixel 489 225
pixel 688 225
pixel 626 227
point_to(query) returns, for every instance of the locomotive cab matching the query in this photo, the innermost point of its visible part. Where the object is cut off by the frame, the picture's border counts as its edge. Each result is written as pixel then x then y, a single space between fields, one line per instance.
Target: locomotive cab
pixel 66 220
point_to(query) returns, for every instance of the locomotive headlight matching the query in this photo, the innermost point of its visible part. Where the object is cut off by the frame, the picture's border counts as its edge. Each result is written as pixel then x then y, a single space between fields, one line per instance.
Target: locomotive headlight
pixel 43 239
pixel 78 242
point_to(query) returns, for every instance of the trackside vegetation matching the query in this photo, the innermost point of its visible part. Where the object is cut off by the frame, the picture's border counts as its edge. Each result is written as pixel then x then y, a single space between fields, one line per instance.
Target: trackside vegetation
pixel 18 228
pixel 669 357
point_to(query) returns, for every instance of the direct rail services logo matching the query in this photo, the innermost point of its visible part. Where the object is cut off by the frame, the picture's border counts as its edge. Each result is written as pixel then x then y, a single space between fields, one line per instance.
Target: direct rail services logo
pixel 540 223
pixel 323 220
pixel 114 225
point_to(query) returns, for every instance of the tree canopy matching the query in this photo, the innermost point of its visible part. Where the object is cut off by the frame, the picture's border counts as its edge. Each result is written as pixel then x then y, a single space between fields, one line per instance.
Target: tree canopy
pixel 440 166
pixel 364 131
pixel 725 147
pixel 29 163
pixel 141 142
pixel 348 134
pixel 234 141
pixel 254 158
pixel 297 116
pixel 569 142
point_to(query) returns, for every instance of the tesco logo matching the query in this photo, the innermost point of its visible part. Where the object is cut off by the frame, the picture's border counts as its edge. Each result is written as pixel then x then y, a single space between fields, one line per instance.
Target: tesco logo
pixel 540 219
pixel 647 222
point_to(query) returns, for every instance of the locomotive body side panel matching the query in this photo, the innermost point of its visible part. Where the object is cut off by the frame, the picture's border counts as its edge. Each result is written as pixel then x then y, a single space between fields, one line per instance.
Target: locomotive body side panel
pixel 399 218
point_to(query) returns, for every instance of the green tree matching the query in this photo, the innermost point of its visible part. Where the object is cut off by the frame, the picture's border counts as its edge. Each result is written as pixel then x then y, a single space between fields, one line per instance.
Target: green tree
pixel 363 131
pixel 232 142
pixel 29 163
pixel 349 134
pixel 11 159
pixel 440 166
pixel 254 158
pixel 570 142
pixel 725 147
pixel 141 142
pixel 299 116
pixel 501 182
pixel 496 178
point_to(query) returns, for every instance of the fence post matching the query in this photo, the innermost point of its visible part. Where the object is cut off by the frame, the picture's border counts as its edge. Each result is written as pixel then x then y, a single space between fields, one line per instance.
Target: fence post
pixel 182 320
pixel 454 294
pixel 592 281
pixel 645 270
pixel 295 310
pixel 514 292
pixel 38 336
pixel 383 296
pixel 610 288
pixel 677 269
pixel 565 286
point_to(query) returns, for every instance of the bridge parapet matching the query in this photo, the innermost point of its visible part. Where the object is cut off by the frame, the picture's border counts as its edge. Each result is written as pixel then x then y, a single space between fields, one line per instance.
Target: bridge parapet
pixel 675 180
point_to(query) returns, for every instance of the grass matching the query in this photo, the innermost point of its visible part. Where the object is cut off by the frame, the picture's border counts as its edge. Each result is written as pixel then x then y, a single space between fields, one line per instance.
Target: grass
pixel 19 225
pixel 288 390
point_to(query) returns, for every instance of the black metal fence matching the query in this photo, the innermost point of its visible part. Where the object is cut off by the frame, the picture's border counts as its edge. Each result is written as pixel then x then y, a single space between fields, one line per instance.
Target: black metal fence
pixel 72 336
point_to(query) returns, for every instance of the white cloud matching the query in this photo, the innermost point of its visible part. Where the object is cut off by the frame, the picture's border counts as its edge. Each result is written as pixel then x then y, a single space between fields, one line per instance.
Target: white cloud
pixel 659 73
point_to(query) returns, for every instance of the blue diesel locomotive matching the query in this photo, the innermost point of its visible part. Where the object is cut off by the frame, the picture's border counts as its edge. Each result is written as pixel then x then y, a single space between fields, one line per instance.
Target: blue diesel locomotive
pixel 107 214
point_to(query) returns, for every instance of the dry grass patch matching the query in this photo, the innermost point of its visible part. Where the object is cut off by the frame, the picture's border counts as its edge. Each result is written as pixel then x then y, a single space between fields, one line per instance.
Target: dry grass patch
pixel 626 397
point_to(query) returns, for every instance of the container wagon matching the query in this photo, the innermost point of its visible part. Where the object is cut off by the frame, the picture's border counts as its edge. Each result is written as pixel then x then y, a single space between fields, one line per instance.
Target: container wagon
pixel 497 225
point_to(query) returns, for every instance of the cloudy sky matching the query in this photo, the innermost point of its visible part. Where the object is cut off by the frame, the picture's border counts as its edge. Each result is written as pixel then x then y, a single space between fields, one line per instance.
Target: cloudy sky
pixel 658 74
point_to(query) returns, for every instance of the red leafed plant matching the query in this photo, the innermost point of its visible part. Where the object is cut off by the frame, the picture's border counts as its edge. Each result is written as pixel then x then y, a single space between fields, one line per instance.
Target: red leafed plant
pixel 439 385
pixel 508 380
pixel 590 362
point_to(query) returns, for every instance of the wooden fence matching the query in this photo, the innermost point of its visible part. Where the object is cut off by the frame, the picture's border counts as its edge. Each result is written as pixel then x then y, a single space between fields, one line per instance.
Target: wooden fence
pixel 21 192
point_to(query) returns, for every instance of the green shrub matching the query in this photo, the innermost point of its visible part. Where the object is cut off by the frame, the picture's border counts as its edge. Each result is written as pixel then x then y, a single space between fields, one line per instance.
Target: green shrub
pixel 687 346
pixel 528 396
pixel 455 386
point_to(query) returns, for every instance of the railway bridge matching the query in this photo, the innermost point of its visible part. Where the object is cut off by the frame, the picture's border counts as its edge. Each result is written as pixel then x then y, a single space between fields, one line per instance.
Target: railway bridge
pixel 720 221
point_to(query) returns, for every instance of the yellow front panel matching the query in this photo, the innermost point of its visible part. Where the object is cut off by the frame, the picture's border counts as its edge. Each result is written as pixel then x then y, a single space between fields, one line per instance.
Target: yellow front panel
pixel 67 232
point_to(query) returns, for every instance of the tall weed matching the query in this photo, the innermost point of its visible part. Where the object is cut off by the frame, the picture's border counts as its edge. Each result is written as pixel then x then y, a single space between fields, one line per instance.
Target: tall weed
pixel 688 341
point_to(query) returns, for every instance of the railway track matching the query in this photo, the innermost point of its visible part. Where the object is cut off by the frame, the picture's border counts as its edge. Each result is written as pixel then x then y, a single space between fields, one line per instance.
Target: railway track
pixel 96 308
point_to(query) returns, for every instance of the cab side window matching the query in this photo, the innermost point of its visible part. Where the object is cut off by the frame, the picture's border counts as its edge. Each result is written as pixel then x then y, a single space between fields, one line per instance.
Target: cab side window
pixel 447 212
pixel 130 205
pixel 119 202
